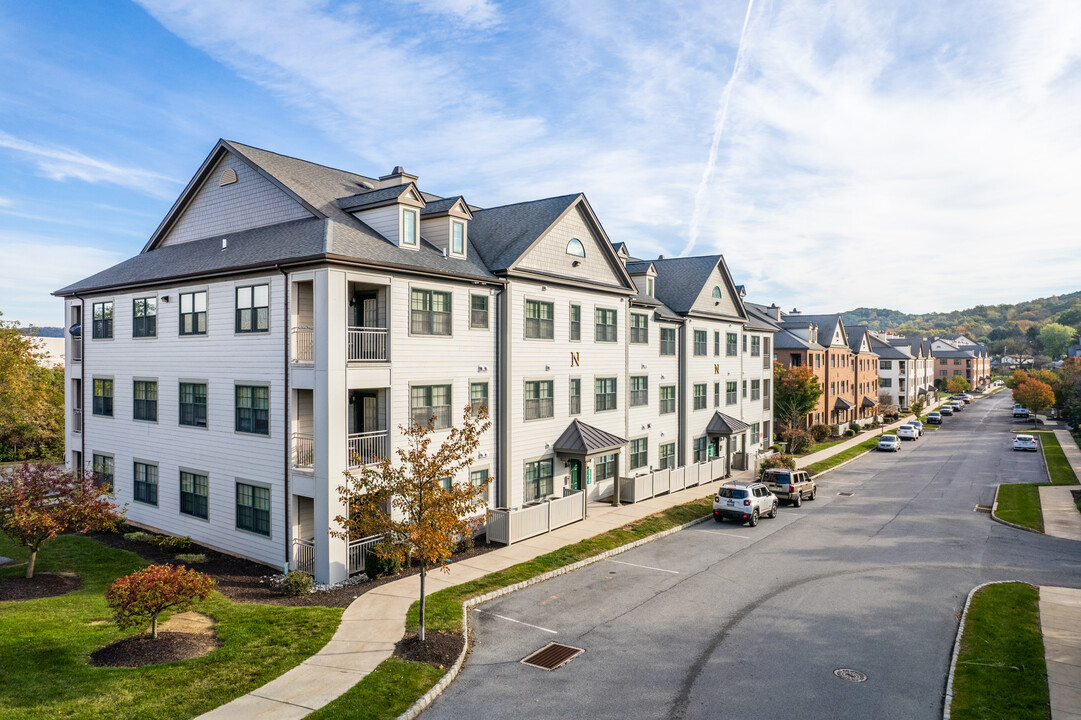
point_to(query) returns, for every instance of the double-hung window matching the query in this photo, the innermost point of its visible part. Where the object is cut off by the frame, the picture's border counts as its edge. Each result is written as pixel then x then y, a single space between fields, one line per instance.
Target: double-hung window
pixel 744 344
pixel 605 326
pixel 253 508
pixel 743 385
pixel 756 391
pixel 457 238
pixel 730 393
pixel 700 396
pixel 668 399
pixel 479 478
pixel 576 322
pixel 700 342
pixel 429 312
pixel 668 341
pixel 103 397
pixel 146 483
pixel 767 356
pixel 253 309
pixel 103 320
pixel 194 490
pixel 478 397
pixel 253 409
pixel 605 395
pixel 716 342
pixel 538 479
pixel 144 317
pixel 478 312
pixel 606 467
pixel 539 320
pixel 104 470
pixel 428 401
pixel 667 456
pixel 409 227
pixel 639 328
pixel 756 346
pixel 765 393
pixel 193 313
pixel 193 404
pixel 639 390
pixel 700 452
pixel 755 432
pixel 538 399
pixel 716 394
pixel 575 396
pixel 145 406
pixel 639 453
pixel 731 342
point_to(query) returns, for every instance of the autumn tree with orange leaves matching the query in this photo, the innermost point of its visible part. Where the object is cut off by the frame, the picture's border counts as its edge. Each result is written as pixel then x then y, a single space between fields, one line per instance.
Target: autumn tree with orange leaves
pixel 1034 395
pixel 796 394
pixel 136 600
pixel 428 512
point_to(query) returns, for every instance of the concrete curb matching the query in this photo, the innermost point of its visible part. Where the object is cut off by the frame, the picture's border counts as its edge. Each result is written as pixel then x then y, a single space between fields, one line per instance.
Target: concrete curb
pixel 948 699
pixel 429 697
pixel 996 518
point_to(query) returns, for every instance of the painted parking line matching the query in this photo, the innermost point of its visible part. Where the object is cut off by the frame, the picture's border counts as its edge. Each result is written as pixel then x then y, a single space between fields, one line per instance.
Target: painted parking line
pixel 722 534
pixel 504 617
pixel 646 567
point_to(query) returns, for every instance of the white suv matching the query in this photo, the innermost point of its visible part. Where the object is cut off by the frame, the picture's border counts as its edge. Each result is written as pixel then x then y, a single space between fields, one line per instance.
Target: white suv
pixel 744 501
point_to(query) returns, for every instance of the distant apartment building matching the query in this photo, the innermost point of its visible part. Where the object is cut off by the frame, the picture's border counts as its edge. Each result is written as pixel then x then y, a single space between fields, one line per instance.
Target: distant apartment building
pixel 958 355
pixel 905 367
pixel 287 319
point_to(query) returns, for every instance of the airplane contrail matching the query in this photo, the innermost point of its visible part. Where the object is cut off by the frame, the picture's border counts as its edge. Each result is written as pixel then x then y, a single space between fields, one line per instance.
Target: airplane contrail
pixel 718 130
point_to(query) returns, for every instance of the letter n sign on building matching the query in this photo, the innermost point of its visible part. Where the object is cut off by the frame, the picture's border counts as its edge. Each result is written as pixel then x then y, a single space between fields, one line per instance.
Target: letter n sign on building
pixel 574 359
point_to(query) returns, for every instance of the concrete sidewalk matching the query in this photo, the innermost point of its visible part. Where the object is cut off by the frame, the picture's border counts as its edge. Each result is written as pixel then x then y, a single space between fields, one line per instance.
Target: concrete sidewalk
pixel 375 621
pixel 1060 621
pixel 1070 449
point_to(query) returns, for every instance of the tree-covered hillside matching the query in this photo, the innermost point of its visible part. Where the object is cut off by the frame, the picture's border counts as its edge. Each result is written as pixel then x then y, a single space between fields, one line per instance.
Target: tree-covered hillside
pixel 993 324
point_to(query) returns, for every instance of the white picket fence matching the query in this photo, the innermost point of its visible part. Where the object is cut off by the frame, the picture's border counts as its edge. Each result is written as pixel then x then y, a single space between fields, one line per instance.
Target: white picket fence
pixel 647 485
pixel 511 526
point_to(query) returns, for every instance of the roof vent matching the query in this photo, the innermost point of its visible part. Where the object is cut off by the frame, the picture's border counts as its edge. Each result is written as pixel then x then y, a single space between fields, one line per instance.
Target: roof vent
pixel 660 257
pixel 224 243
pixel 228 177
pixel 367 185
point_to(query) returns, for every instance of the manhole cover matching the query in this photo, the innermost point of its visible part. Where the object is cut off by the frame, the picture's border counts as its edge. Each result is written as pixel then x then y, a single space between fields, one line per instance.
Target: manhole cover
pixel 982 509
pixel 552 656
pixel 850 675
pixel 846 494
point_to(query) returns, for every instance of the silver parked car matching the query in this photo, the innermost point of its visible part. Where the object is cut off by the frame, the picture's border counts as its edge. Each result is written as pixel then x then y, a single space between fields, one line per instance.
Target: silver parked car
pixel 890 443
pixel 744 501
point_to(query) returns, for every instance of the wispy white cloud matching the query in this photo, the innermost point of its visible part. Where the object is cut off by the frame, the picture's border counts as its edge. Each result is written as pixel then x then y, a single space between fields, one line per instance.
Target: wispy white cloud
pixel 59 163
pixel 476 14
pixel 5 202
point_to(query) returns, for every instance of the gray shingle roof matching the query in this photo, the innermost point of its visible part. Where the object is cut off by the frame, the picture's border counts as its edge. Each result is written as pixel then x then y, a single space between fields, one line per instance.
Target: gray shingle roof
pixel 582 439
pixel 680 280
pixel 842 404
pixel 373 197
pixel 888 351
pixel 721 424
pixel 786 340
pixel 637 267
pixel 435 207
pixel 502 234
pixel 827 324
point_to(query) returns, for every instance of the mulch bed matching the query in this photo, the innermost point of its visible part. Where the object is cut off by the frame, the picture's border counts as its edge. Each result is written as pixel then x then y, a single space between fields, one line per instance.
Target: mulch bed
pixel 246 581
pixel 440 649
pixel 42 585
pixel 140 650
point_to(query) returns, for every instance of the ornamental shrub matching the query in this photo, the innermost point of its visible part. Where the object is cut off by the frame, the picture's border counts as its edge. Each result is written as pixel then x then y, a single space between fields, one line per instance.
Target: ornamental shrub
pixel 777 461
pixel 376 566
pixel 855 427
pixel 297 583
pixel 801 442
pixel 820 432
pixel 850 432
pixel 835 430
pixel 191 558
pixel 170 543
pixel 137 599
pixel 138 536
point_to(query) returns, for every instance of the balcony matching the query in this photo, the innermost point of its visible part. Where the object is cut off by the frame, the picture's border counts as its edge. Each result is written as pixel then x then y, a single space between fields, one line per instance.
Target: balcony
pixel 303 451
pixel 303 345
pixel 77 420
pixel 367 344
pixel 366 448
pixel 76 348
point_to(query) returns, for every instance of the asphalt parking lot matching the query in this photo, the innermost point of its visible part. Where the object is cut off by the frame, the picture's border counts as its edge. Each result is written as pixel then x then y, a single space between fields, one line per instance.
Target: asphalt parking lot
pixel 726 620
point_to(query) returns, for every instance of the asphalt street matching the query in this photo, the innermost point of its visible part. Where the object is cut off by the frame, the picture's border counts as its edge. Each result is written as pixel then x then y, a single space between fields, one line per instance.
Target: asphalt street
pixel 729 621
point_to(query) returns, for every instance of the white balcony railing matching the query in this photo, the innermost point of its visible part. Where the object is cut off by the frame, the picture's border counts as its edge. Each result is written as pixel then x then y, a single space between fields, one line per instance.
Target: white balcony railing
pixel 76 349
pixel 303 451
pixel 358 552
pixel 304 555
pixel 77 420
pixel 303 344
pixel 367 344
pixel 367 447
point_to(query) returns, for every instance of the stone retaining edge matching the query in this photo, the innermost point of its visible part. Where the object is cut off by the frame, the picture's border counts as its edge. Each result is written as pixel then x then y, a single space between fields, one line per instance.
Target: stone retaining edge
pixel 948 699
pixel 429 697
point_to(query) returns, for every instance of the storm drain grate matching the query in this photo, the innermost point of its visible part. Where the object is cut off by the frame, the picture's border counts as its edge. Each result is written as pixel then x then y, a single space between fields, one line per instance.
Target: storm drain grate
pixel 552 656
pixel 850 675
pixel 845 494
pixel 982 509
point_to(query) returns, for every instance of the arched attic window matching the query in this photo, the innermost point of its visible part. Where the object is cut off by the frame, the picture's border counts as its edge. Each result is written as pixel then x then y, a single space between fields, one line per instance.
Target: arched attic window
pixel 716 292
pixel 228 177
pixel 576 248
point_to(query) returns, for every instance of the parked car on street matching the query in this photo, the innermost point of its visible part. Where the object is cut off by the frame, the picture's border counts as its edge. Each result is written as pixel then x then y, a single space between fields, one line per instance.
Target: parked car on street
pixel 889 442
pixel 795 486
pixel 907 432
pixel 957 405
pixel 1025 442
pixel 1021 412
pixel 918 425
pixel 945 410
pixel 934 418
pixel 744 501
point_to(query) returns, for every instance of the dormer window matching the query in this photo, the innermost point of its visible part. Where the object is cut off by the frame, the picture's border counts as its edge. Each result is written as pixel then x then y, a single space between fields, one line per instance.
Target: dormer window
pixel 649 287
pixel 409 227
pixel 576 248
pixel 716 292
pixel 457 239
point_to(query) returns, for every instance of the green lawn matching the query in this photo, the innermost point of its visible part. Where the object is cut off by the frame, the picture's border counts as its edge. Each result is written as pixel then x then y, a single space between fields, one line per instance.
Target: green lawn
pixel 1057 464
pixel 383 694
pixel 846 454
pixel 45 645
pixel 1001 671
pixel 1020 504
pixel 822 446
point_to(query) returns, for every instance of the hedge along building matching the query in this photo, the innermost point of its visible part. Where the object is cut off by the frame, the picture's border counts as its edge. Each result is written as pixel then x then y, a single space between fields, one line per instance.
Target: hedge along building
pixel 286 319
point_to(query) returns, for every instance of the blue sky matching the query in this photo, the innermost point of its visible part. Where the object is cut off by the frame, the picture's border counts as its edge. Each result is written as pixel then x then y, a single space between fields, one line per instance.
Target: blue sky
pixel 914 155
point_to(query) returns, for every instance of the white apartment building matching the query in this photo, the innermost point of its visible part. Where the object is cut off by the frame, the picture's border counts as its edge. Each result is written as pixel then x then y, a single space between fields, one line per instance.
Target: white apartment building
pixel 906 368
pixel 287 319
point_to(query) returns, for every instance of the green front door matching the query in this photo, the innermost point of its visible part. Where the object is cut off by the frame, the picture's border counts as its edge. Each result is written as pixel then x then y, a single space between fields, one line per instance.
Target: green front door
pixel 576 474
pixel 714 449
